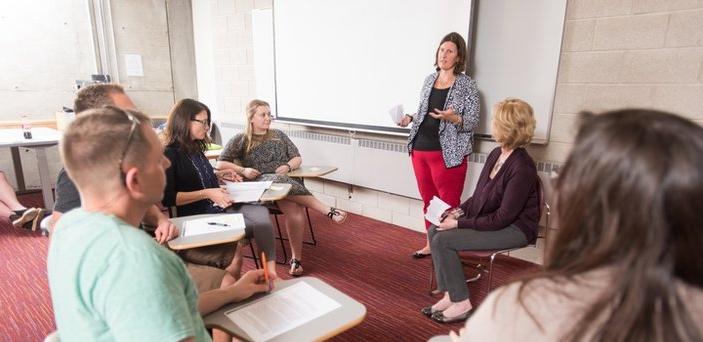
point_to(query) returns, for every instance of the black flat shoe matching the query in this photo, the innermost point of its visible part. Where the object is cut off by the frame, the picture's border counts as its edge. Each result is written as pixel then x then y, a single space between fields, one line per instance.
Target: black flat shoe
pixel 419 255
pixel 427 311
pixel 439 317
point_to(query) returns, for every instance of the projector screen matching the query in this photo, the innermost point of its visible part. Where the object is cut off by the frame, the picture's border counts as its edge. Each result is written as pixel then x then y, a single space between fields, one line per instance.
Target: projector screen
pixel 345 64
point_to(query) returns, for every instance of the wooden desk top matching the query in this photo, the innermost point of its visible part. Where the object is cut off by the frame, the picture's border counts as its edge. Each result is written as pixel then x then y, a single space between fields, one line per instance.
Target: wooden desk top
pixel 276 192
pixel 322 328
pixel 309 171
pixel 214 238
pixel 213 154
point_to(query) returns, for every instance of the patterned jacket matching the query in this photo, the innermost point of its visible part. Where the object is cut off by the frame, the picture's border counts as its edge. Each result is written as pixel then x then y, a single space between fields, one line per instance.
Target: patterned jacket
pixel 456 140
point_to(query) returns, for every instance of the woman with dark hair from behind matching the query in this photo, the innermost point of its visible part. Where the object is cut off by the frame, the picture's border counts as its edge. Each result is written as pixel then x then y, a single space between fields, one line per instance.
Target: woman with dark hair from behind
pixel 193 186
pixel 624 264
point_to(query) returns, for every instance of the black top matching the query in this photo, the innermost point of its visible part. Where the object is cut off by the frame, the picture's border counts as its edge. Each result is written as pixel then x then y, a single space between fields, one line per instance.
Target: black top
pixel 427 138
pixel 67 196
pixel 189 173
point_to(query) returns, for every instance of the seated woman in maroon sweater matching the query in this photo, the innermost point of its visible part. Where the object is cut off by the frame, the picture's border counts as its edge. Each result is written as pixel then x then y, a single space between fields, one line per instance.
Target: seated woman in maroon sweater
pixel 502 213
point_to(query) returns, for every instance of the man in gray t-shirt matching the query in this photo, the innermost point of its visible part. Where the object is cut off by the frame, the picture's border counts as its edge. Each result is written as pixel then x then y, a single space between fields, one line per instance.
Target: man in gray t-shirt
pixel 67 196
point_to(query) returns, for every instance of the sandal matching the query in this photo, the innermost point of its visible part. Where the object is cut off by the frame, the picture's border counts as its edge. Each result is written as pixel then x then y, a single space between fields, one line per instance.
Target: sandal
pixel 337 215
pixel 26 217
pixel 296 269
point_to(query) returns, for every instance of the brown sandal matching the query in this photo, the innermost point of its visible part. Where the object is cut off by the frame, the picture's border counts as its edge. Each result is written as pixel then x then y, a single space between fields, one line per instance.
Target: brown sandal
pixel 337 215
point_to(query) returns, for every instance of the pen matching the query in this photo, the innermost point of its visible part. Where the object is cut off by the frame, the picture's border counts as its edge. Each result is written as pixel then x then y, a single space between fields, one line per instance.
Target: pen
pixel 266 270
pixel 218 224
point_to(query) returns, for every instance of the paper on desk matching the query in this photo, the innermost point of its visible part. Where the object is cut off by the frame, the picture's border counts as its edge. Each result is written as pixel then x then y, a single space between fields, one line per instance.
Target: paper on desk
pixel 201 226
pixel 246 191
pixel 282 311
pixel 435 210
pixel 396 113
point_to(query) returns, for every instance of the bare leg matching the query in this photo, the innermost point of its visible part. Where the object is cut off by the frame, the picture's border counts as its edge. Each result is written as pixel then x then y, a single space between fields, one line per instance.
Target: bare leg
pixel 295 223
pixel 7 194
pixel 5 211
pixel 219 335
pixel 315 204
pixel 235 267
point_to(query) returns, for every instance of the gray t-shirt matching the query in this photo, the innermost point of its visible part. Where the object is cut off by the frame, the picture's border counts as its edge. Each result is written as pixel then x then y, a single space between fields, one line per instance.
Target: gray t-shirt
pixel 67 196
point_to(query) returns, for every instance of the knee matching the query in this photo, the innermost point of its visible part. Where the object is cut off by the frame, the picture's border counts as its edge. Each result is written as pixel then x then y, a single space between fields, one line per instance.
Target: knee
pixel 437 241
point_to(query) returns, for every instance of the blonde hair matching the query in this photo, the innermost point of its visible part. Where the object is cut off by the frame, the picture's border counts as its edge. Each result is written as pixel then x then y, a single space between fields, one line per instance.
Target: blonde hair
pixel 513 123
pixel 252 106
pixel 96 96
pixel 93 144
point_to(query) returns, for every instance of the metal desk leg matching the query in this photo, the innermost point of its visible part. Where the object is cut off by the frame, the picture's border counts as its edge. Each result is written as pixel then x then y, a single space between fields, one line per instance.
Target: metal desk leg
pixel 44 177
pixel 17 163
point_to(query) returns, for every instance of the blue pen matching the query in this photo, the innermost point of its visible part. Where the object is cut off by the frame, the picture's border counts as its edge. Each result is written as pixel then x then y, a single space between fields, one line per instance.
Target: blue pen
pixel 218 224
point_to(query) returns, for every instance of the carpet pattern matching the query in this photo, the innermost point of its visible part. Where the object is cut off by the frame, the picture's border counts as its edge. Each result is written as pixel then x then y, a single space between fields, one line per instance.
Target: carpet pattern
pixel 367 259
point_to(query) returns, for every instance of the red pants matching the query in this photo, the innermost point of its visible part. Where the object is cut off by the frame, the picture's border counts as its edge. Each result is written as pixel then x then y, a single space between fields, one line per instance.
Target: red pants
pixel 435 179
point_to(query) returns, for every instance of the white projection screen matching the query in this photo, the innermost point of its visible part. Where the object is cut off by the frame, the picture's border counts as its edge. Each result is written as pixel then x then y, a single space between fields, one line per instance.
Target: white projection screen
pixel 345 64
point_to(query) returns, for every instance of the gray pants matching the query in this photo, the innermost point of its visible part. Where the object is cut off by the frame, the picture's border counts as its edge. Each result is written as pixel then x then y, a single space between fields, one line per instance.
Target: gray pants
pixel 446 245
pixel 258 227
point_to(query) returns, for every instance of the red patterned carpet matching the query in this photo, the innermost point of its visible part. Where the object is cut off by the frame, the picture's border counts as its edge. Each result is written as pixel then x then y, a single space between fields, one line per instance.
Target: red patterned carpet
pixel 365 258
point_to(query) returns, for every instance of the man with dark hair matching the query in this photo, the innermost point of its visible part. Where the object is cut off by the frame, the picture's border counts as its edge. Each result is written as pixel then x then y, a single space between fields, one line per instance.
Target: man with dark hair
pixel 67 197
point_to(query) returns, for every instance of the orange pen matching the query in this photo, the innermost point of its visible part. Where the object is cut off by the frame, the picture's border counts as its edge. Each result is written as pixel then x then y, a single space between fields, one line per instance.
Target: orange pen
pixel 266 270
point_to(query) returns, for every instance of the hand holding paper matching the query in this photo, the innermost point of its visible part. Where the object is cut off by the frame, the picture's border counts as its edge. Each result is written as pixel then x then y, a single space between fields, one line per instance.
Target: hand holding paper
pixel 396 113
pixel 435 210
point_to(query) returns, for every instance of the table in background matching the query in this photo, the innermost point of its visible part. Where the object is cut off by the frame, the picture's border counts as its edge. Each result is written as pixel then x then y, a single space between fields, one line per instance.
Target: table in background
pixel 333 323
pixel 42 138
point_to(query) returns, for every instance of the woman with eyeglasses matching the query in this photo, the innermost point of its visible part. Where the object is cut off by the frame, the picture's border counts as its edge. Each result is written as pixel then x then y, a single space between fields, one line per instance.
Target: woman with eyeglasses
pixel 265 154
pixel 502 213
pixel 625 262
pixel 193 186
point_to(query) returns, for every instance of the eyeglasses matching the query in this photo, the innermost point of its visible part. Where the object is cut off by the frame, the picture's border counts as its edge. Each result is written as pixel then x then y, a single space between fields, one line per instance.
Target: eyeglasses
pixel 205 123
pixel 135 123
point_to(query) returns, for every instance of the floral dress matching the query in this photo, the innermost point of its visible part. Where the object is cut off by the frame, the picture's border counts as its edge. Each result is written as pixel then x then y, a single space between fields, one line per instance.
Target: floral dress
pixel 270 151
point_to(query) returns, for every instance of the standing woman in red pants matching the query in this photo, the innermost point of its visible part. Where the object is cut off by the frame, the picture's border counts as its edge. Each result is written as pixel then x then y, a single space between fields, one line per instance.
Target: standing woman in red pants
pixel 442 131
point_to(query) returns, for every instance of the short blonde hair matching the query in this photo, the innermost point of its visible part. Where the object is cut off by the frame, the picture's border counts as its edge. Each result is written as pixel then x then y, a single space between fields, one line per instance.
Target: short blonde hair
pixel 94 142
pixel 513 123
pixel 96 96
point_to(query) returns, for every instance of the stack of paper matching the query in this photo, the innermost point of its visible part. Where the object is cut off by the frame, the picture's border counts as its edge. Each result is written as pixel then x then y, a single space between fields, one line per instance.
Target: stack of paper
pixel 396 113
pixel 282 311
pixel 435 210
pixel 246 191
pixel 213 224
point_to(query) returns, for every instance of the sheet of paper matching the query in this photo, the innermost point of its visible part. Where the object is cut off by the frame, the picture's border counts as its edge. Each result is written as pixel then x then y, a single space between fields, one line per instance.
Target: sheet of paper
pixel 396 113
pixel 282 311
pixel 246 191
pixel 435 210
pixel 133 65
pixel 213 224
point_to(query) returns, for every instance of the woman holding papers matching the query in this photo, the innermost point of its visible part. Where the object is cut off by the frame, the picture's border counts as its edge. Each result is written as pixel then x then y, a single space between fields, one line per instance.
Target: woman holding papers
pixel 502 213
pixel 442 130
pixel 625 262
pixel 265 154
pixel 193 186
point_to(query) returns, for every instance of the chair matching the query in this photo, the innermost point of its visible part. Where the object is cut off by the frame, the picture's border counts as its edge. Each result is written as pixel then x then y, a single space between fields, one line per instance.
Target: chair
pixel 491 255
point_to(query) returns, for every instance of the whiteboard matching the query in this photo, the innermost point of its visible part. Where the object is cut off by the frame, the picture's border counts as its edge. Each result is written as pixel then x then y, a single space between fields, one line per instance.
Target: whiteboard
pixel 516 54
pixel 346 63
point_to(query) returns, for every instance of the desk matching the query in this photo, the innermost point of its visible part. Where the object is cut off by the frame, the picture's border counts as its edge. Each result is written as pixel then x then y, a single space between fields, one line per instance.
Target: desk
pixel 311 171
pixel 333 323
pixel 42 138
pixel 215 238
pixel 213 154
pixel 275 192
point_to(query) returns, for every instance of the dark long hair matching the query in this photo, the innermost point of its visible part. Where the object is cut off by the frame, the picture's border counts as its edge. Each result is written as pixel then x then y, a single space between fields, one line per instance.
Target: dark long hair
pixel 458 40
pixel 177 131
pixel 630 199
